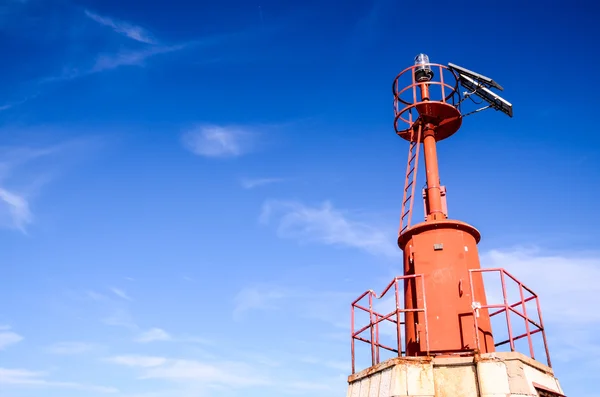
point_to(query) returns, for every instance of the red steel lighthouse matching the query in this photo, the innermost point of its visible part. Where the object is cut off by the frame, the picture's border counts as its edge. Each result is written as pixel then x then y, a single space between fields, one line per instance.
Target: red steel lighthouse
pixel 442 316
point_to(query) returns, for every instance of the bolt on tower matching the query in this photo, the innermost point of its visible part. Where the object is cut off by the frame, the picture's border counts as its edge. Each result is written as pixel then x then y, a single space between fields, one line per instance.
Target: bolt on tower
pixel 444 343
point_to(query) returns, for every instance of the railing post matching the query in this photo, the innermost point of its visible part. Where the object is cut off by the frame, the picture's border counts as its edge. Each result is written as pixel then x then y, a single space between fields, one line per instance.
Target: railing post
pixel 539 310
pixel 475 322
pixel 507 310
pixel 526 321
pixel 352 337
pixel 372 328
pixel 424 310
pixel 398 330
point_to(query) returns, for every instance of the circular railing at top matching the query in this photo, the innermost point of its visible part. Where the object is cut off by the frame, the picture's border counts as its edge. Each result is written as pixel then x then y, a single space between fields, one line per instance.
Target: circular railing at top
pixel 442 90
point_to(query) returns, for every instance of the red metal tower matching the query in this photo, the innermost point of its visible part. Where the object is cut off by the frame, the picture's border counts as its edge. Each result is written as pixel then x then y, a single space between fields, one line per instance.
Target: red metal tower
pixel 441 305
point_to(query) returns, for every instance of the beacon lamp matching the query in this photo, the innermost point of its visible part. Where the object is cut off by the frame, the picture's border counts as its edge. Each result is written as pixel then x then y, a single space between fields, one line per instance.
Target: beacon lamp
pixel 423 70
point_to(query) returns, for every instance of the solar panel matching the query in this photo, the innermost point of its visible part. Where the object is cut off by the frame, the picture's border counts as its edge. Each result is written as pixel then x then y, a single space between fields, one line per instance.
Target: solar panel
pixel 494 100
pixel 476 76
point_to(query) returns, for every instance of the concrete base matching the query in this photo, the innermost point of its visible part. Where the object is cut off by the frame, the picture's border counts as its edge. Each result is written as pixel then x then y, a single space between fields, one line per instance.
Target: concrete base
pixel 488 375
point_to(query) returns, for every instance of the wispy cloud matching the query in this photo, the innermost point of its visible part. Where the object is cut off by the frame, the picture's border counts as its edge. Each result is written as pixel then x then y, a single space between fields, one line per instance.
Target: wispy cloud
pixel 339 365
pixel 138 361
pixel 124 56
pixel 70 348
pixel 8 338
pixel 160 335
pixel 224 374
pixel 326 225
pixel 110 61
pixel 251 183
pixel 324 306
pixel 153 335
pixel 127 29
pixel 113 308
pixel 219 141
pixel 14 207
pixel 254 298
pixel 120 293
pixel 96 296
pixel 18 210
pixel 20 179
pixel 25 377
pixel 130 57
pixel 11 105
pixel 120 317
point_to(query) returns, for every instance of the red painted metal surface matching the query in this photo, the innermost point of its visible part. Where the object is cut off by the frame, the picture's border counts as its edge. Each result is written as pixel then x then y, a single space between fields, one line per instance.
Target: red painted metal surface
pixel 444 252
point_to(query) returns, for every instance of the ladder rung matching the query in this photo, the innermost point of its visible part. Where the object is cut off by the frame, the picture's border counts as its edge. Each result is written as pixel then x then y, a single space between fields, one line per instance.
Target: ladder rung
pixel 411 171
pixel 406 201
pixel 404 215
pixel 409 185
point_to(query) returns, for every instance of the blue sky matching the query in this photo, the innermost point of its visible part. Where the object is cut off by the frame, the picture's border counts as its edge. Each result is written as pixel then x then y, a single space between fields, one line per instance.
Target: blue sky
pixel 191 194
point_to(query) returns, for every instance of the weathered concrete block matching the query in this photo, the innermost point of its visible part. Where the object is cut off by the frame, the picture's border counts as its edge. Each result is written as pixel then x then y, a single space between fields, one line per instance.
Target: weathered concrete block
pixel 385 385
pixel 493 378
pixel 455 380
pixel 398 381
pixel 419 379
pixel 493 375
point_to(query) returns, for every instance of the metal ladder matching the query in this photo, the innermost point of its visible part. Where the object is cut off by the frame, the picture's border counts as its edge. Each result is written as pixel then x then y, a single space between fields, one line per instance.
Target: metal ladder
pixel 411 177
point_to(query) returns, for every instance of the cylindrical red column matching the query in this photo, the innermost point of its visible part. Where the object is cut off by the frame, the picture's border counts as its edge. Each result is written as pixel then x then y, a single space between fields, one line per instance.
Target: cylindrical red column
pixel 443 251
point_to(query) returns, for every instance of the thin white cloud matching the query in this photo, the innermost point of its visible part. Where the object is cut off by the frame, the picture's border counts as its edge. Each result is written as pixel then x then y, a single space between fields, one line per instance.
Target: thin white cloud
pixel 251 183
pixel 254 298
pixel 109 61
pixel 219 141
pixel 15 207
pixel 120 317
pixel 333 364
pixel 22 377
pixel 324 306
pixel 120 293
pixel 128 58
pixel 96 296
pixel 11 105
pixel 153 335
pixel 127 29
pixel 326 225
pixel 213 373
pixel 308 386
pixel 138 361
pixel 70 348
pixel 8 338
pixel 18 214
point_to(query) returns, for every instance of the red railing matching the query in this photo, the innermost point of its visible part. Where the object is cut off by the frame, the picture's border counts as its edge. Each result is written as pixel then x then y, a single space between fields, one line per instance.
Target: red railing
pixel 376 318
pixel 396 316
pixel 526 295
pixel 406 93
